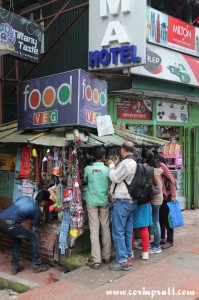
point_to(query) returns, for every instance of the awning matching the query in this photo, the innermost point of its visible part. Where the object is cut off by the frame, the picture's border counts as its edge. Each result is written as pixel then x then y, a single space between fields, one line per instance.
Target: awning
pixel 60 137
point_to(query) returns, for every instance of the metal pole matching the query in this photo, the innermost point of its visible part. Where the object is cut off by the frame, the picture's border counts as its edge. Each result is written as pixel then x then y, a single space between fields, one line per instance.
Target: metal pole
pixel 1 91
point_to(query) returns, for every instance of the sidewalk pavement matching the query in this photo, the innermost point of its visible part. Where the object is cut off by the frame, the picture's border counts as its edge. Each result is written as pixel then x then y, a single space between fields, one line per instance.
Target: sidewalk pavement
pixel 175 270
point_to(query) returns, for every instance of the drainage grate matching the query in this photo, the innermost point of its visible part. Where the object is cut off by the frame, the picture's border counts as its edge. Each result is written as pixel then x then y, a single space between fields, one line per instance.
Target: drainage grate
pixel 187 260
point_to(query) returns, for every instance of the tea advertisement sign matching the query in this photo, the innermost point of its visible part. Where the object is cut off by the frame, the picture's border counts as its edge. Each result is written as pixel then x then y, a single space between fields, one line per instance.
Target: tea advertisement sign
pixel 169 65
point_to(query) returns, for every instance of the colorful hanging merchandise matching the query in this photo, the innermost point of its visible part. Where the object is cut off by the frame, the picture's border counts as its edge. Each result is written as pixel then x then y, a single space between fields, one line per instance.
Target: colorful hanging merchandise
pixel 25 162
pixel 76 212
pixel 34 175
pixel 64 230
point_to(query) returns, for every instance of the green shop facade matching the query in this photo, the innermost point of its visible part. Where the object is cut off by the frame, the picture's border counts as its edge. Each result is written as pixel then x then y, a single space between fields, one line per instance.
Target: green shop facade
pixel 157 93
pixel 167 109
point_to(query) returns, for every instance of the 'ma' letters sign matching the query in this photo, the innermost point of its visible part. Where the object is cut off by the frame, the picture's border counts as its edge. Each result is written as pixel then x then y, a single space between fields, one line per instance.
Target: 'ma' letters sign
pixel 117 34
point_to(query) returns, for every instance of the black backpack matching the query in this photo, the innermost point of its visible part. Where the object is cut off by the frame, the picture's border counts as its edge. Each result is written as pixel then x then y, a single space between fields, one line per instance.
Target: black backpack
pixel 142 182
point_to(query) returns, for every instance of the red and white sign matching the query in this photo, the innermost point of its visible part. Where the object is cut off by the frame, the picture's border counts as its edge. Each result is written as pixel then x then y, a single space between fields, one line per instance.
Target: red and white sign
pixel 169 65
pixel 181 33
pixel 172 33
pixel 133 109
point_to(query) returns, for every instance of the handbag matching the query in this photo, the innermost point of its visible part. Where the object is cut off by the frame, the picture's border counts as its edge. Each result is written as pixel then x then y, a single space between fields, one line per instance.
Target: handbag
pixel 175 215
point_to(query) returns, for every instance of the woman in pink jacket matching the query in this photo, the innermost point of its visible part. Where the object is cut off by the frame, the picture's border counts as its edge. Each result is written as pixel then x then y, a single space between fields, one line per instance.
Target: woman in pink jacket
pixel 169 193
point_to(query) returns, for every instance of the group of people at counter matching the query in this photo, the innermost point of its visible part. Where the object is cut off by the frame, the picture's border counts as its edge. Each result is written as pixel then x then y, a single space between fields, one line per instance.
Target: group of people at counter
pixel 127 213
pixel 105 188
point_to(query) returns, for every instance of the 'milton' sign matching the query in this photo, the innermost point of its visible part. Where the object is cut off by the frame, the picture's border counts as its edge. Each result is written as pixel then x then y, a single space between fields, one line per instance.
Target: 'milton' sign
pixel 19 37
pixel 172 33
pixel 120 41
pixel 70 98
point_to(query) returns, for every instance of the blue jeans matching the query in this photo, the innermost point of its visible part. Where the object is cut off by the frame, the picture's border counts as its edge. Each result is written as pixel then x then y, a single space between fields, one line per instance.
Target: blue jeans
pixel 17 232
pixel 156 225
pixel 122 228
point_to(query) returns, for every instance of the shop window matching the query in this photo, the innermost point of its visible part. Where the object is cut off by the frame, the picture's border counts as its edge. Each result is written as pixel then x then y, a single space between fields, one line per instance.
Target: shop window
pixel 143 129
pixel 168 132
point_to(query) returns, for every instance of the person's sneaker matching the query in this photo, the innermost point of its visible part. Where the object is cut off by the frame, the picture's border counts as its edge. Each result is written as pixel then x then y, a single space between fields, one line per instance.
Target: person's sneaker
pixel 153 250
pixel 145 255
pixel 138 246
pixel 130 261
pixel 40 268
pixel 123 266
pixel 16 269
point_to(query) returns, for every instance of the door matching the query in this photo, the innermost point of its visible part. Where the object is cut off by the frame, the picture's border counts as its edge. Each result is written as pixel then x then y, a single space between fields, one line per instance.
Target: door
pixel 191 165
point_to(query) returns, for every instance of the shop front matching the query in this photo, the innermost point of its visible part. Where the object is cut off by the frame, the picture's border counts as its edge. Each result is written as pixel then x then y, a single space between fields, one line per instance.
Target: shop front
pixel 41 151
pixel 160 103
pixel 36 153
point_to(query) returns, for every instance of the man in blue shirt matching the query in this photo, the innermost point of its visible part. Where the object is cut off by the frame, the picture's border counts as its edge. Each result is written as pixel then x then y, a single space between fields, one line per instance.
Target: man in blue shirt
pixel 24 209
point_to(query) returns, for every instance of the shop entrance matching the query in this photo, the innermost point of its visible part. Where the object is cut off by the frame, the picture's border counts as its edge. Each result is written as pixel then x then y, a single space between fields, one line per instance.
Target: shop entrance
pixel 191 162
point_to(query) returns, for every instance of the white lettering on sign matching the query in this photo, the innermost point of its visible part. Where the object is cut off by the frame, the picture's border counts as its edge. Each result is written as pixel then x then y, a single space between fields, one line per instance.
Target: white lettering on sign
pixel 153 59
pixel 114 6
pixel 114 33
pixel 182 31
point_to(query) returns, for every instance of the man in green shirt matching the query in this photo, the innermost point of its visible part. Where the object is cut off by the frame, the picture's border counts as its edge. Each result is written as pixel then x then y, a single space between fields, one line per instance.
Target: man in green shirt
pixel 96 196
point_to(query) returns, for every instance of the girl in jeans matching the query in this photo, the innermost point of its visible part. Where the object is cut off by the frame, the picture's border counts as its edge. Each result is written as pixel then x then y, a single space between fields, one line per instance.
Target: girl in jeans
pixel 156 202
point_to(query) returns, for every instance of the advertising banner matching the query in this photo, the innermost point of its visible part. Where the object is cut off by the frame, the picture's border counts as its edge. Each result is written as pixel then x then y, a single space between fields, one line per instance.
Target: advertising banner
pixel 172 33
pixel 172 112
pixel 134 109
pixel 169 65
pixel 120 41
pixel 70 98
pixel 19 37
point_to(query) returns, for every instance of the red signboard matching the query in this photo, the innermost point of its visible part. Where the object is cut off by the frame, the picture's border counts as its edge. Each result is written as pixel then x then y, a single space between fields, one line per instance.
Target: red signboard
pixel 181 33
pixel 134 109
pixel 172 33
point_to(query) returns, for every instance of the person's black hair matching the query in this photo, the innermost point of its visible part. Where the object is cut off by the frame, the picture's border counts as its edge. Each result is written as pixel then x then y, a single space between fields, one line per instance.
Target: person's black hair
pixel 157 156
pixel 99 153
pixel 42 195
pixel 147 154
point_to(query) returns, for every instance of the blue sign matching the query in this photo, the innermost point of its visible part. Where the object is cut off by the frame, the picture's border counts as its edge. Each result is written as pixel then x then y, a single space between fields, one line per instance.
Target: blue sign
pixel 70 98
pixel 105 57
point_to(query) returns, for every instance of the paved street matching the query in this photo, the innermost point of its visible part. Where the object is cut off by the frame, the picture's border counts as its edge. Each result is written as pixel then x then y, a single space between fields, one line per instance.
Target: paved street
pixel 175 270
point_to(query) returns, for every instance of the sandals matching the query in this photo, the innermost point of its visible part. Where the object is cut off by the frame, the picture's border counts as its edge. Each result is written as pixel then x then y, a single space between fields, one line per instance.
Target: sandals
pixel 90 263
